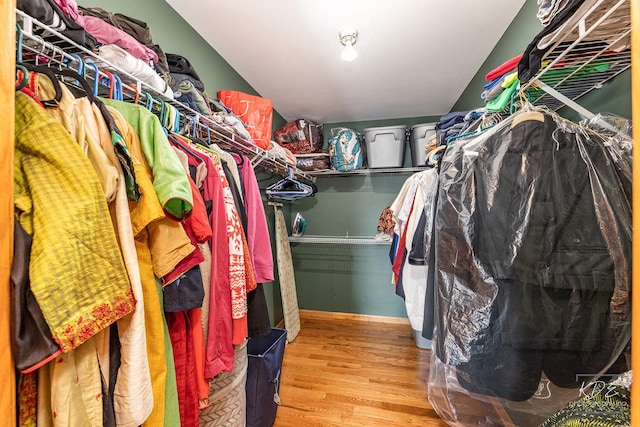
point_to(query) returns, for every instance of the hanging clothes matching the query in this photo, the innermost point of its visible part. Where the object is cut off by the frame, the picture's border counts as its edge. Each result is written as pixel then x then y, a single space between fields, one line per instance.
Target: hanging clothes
pixel 408 210
pixel 133 397
pixel 149 223
pixel 169 180
pixel 56 187
pixel 549 292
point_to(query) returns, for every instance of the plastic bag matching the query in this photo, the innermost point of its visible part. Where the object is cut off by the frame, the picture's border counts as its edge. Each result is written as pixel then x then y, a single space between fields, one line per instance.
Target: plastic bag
pixel 533 272
pixel 256 112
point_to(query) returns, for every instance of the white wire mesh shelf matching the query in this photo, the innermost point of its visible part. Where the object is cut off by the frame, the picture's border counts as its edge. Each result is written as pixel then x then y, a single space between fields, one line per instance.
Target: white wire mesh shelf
pixel 337 240
pixel 585 55
pixel 375 171
pixel 40 40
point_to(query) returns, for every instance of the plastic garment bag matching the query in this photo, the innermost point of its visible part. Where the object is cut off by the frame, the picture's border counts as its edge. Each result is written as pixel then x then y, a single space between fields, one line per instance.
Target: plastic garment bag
pixel 533 259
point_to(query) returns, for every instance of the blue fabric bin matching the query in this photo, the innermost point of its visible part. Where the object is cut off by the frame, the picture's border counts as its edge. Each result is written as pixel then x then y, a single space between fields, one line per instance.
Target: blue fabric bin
pixel 265 355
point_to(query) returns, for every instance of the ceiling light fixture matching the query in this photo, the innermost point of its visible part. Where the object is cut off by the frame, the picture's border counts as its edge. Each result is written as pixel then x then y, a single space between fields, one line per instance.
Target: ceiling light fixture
pixel 348 38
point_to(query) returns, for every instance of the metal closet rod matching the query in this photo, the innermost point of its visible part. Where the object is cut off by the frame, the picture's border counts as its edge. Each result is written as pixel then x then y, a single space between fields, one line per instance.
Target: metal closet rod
pixel 150 96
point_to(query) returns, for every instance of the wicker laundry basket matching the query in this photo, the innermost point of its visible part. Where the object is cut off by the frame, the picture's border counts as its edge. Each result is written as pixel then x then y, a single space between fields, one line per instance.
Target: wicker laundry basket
pixel 228 398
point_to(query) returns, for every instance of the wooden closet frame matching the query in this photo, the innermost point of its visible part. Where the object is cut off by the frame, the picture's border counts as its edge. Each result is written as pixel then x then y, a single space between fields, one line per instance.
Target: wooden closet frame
pixel 7 111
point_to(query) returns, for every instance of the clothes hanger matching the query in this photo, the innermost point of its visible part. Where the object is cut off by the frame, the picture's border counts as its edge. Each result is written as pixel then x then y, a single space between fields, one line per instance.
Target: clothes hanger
pixel 81 67
pixel 118 92
pixel 47 71
pixel 110 82
pixel 180 141
pixel 96 75
pixel 84 85
pixel 25 76
pixel 19 67
pixel 148 101
pixel 290 188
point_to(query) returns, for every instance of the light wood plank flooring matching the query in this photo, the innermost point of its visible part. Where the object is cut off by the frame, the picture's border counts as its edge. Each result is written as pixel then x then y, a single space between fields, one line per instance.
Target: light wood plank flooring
pixel 349 370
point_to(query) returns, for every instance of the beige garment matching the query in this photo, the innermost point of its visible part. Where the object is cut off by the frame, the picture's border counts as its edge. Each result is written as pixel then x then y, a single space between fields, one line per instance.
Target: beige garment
pixel 133 398
pixel 69 115
pixel 201 174
pixel 144 212
pixel 231 163
pixel 168 242
pixel 69 389
pixel 205 271
pixel 184 160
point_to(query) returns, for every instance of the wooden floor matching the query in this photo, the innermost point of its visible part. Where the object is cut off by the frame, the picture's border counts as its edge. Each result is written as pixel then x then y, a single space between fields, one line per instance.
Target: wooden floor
pixel 343 370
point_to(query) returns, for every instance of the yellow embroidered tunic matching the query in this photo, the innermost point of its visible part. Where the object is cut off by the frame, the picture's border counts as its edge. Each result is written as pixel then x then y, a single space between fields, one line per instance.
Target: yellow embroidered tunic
pixel 76 271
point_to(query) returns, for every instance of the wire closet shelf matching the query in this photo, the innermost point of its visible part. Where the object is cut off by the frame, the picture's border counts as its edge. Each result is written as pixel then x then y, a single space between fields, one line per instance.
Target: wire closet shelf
pixel 42 41
pixel 583 57
pixel 335 240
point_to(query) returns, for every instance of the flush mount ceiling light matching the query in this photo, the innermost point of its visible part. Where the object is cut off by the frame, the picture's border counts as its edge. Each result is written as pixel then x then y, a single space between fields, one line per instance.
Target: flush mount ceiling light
pixel 348 38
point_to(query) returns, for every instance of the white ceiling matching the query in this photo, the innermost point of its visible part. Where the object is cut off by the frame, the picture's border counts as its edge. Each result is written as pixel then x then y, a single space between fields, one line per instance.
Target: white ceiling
pixel 415 56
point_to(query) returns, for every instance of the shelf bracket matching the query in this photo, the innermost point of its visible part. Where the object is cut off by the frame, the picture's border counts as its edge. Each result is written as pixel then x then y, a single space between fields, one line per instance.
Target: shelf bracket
pixel 566 101
pixel 257 159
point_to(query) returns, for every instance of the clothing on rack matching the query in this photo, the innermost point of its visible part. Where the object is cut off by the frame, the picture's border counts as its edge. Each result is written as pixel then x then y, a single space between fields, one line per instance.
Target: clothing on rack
pixel 105 33
pixel 147 215
pixel 48 12
pixel 56 187
pixel 31 342
pixel 550 291
pixel 415 199
pixel 531 60
pixel 169 180
pixel 136 28
pixel 125 61
pixel 82 118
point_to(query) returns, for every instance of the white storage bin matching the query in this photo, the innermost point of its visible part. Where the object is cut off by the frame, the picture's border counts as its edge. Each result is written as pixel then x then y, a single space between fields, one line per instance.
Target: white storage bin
pixel 419 138
pixel 385 146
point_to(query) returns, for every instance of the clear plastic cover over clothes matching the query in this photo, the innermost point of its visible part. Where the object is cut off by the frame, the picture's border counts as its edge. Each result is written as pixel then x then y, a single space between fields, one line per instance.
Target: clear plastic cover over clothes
pixel 533 264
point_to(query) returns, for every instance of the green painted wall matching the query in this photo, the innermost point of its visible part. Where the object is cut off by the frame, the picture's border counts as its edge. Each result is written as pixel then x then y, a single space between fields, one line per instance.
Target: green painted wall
pixel 349 278
pixel 614 97
pixel 513 42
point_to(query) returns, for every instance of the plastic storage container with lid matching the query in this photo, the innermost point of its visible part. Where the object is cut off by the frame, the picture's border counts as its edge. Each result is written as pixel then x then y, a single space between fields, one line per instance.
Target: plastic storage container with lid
pixel 419 138
pixel 385 146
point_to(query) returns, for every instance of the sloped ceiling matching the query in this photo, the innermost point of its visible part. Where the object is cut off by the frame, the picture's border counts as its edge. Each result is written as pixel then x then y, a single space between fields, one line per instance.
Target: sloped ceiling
pixel 415 59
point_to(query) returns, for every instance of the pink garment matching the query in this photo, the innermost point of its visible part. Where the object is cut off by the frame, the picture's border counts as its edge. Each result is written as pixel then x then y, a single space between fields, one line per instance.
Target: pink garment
pixel 106 33
pixel 219 353
pixel 257 229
